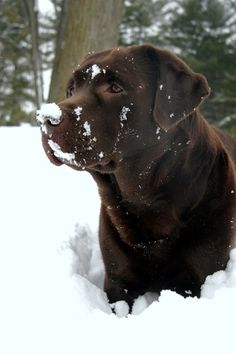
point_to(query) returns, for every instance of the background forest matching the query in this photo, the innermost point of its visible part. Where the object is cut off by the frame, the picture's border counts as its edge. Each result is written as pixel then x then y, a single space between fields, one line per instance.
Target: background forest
pixel 38 45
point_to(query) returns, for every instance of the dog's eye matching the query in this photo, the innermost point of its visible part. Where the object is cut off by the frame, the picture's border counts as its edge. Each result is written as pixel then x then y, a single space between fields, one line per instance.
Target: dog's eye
pixel 115 88
pixel 70 91
pixel 70 88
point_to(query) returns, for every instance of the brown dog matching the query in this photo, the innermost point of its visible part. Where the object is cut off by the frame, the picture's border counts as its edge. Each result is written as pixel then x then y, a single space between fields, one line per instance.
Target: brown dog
pixel 166 178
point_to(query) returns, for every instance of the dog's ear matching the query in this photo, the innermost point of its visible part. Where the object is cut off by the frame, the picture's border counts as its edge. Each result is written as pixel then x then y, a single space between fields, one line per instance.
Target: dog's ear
pixel 179 90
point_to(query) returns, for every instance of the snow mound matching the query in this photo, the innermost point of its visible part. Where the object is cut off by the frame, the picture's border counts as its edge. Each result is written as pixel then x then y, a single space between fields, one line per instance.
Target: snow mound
pixel 87 269
pixel 86 255
pixel 86 264
pixel 221 280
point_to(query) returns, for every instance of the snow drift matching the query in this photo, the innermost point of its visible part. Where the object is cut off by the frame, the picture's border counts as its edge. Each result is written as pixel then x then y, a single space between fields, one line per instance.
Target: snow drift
pixel 51 298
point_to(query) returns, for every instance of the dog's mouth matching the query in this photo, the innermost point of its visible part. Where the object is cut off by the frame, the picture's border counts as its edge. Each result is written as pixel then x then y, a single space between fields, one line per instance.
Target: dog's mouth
pixel 58 157
pixel 53 159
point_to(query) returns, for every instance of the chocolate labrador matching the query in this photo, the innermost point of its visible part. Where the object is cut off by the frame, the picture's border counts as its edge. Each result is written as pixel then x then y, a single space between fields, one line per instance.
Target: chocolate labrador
pixel 166 178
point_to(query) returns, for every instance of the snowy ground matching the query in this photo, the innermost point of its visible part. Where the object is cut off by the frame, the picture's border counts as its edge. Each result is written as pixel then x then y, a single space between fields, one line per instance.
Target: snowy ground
pixel 51 272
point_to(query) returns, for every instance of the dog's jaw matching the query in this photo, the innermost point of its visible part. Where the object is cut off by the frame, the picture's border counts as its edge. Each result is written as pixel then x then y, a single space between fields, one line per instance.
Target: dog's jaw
pixel 104 166
pixel 58 157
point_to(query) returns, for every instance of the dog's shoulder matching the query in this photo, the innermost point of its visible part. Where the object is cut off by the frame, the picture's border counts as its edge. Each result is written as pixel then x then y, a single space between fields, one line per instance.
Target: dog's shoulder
pixel 229 143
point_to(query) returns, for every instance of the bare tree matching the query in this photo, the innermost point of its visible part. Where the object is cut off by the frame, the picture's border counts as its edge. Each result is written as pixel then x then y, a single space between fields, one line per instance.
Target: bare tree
pixel 85 25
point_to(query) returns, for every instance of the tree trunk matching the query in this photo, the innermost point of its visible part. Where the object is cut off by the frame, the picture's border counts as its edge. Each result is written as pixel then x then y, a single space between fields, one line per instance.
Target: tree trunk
pixel 32 14
pixel 86 25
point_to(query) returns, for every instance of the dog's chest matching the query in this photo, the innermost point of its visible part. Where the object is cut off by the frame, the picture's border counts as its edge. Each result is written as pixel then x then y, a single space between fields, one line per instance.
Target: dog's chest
pixel 154 224
pixel 157 225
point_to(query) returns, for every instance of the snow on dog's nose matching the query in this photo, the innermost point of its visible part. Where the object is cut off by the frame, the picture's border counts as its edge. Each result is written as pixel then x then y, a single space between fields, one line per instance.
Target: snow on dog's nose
pixel 49 112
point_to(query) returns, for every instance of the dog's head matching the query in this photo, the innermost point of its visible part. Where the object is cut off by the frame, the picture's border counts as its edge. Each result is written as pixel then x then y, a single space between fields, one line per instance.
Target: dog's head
pixel 119 102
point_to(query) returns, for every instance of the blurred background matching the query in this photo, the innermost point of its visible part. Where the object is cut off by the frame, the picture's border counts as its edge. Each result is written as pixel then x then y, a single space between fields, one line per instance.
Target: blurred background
pixel 42 41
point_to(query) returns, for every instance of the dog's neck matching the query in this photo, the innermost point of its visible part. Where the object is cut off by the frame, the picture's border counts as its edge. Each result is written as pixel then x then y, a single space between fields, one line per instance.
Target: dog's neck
pixel 146 178
pixel 150 168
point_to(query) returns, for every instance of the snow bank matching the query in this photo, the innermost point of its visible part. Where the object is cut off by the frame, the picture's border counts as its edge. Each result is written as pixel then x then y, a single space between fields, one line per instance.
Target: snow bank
pixel 221 280
pixel 51 298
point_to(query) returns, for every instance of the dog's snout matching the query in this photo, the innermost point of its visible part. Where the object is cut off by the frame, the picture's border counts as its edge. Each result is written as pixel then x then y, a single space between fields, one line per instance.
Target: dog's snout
pixel 49 114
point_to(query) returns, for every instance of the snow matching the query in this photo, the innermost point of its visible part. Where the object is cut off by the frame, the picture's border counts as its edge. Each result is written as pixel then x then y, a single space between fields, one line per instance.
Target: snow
pixel 123 115
pixel 121 308
pixel 87 129
pixel 222 279
pixel 51 298
pixel 78 112
pixel 49 111
pixel 158 130
pixel 95 70
pixel 66 156
pixel 45 6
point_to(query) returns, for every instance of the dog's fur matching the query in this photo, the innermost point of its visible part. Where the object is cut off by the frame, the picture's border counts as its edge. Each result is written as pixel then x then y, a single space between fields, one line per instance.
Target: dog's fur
pixel 165 176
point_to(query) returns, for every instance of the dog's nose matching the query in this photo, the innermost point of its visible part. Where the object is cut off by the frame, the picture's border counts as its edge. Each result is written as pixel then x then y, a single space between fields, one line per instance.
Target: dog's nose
pixel 49 113
pixel 52 120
